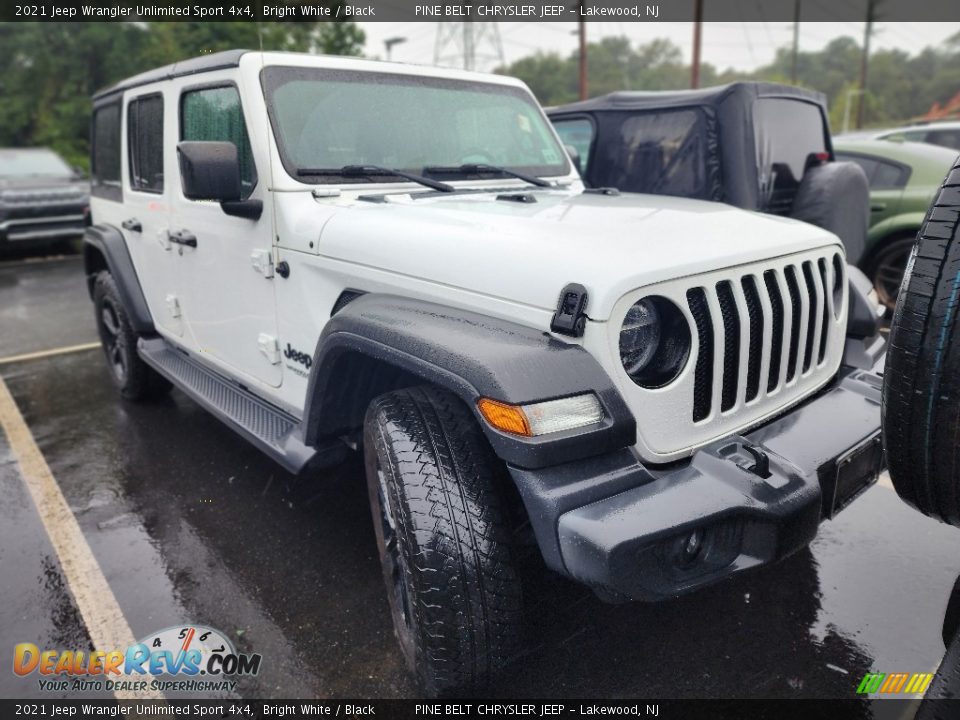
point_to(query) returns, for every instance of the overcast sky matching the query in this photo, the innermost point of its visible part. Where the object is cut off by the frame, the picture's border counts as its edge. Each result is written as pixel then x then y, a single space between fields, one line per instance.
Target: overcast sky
pixel 743 46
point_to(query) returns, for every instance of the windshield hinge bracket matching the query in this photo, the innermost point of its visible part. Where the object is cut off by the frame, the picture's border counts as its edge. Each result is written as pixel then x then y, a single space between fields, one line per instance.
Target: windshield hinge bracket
pixel 571 315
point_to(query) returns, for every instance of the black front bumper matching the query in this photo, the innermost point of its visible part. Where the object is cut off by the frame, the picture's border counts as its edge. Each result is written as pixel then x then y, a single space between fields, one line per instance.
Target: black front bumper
pixel 634 532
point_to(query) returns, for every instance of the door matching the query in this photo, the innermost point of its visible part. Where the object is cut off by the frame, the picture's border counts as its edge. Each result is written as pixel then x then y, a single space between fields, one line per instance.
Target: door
pixel 226 285
pixel 146 207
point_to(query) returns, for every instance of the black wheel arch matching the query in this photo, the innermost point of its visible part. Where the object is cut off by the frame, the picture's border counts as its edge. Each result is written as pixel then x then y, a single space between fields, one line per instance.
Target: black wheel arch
pixel 104 248
pixel 379 343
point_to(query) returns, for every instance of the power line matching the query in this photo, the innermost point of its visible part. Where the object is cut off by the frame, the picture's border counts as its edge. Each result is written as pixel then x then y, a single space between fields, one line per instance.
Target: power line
pixel 463 44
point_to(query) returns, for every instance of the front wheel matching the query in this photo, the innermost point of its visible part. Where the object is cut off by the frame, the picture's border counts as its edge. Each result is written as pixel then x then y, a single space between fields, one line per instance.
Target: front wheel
pixel 442 533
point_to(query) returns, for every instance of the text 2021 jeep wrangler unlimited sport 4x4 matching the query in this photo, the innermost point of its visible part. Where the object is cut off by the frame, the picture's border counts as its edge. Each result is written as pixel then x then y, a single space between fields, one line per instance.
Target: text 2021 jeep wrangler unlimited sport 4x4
pixel 325 250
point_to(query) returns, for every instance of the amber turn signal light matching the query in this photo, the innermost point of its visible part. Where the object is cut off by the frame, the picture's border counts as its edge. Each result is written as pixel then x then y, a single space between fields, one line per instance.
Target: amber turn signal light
pixel 508 418
pixel 542 418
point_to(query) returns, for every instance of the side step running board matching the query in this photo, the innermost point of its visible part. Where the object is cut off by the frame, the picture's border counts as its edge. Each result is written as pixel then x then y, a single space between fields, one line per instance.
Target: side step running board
pixel 269 428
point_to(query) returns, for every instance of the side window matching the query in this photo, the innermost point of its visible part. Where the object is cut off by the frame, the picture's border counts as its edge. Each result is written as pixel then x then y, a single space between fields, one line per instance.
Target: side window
pixel 661 153
pixel 577 133
pixel 947 138
pixel 105 154
pixel 889 176
pixel 869 165
pixel 145 143
pixel 215 114
pixel 788 132
pixel 880 174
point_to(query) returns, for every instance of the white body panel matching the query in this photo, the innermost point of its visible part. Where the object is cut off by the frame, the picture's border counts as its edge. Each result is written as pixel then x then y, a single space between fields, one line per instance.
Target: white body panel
pixel 466 251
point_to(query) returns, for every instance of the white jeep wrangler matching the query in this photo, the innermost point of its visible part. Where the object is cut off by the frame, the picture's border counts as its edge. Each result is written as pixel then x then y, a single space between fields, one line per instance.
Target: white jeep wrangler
pixel 329 252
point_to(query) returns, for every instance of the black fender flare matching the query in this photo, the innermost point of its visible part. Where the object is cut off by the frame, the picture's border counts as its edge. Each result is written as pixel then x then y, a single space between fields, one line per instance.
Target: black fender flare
pixel 104 248
pixel 469 354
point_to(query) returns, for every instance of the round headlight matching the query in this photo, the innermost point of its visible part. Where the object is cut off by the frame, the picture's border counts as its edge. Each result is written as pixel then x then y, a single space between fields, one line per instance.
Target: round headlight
pixel 654 342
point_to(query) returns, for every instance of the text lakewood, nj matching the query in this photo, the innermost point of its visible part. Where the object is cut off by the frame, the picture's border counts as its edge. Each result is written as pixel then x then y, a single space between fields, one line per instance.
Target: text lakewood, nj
pixel 494 10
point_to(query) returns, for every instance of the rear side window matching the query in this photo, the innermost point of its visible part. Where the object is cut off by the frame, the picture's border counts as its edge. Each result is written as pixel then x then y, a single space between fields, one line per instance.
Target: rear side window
pixel 788 132
pixel 145 143
pixel 880 174
pixel 105 156
pixel 869 165
pixel 215 114
pixel 947 138
pixel 578 134
pixel 889 176
pixel 662 153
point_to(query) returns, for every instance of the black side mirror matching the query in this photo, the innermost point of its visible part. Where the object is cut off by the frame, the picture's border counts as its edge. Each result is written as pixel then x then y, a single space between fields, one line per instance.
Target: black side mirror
pixel 209 170
pixel 574 157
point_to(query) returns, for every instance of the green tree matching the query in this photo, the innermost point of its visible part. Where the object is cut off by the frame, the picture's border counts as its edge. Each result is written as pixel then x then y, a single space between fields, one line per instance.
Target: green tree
pixel 49 71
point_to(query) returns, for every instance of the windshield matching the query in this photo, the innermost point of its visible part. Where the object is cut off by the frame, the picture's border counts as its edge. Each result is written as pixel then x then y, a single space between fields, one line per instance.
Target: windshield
pixel 325 120
pixel 28 163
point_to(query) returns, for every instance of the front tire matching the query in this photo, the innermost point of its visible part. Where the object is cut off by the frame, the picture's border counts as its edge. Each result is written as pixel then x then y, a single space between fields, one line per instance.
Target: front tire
pixel 442 532
pixel 921 390
pixel 133 377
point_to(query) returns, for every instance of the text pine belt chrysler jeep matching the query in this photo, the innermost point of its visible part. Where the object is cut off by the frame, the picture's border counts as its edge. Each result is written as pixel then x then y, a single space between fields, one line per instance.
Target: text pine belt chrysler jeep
pixel 328 253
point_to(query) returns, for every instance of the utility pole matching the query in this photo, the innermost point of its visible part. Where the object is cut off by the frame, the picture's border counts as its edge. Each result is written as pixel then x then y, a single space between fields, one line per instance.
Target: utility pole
pixel 582 36
pixel 865 61
pixel 697 23
pixel 796 41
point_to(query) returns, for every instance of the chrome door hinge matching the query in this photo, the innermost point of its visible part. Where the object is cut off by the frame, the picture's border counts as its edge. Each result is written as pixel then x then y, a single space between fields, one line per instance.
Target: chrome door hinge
pixel 269 347
pixel 262 261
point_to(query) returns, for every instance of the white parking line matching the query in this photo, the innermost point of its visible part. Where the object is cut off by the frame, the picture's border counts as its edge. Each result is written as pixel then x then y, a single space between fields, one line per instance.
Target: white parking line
pixel 39 355
pixel 106 624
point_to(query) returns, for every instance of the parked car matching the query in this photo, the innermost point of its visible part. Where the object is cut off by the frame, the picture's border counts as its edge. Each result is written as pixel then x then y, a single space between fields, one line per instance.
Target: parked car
pixel 904 179
pixel 945 133
pixel 756 145
pixel 41 197
pixel 519 358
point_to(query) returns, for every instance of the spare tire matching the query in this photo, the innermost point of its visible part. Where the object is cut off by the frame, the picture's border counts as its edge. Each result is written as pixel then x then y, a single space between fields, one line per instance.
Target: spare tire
pixel 836 197
pixel 921 390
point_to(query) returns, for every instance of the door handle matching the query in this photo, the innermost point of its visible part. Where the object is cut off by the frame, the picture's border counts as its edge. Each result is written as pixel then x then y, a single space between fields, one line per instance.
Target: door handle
pixel 183 237
pixel 876 207
pixel 132 224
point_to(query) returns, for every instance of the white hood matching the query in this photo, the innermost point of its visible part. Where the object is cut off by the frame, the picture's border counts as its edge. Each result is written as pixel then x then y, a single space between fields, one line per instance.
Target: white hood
pixel 527 252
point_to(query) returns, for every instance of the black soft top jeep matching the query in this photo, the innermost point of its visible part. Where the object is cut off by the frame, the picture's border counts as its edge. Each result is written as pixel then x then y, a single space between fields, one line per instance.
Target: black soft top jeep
pixel 756 145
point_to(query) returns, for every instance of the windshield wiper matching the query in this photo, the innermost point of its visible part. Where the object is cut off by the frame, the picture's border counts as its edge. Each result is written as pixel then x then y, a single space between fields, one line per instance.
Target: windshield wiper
pixel 480 168
pixel 375 170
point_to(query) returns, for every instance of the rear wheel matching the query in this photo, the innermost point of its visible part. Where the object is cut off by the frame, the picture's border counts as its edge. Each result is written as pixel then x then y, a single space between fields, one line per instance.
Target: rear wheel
pixel 441 526
pixel 887 265
pixel 134 378
pixel 921 392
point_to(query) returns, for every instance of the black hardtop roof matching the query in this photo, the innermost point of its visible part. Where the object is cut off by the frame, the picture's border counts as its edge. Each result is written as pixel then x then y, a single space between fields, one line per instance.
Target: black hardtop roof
pixel 204 63
pixel 651 100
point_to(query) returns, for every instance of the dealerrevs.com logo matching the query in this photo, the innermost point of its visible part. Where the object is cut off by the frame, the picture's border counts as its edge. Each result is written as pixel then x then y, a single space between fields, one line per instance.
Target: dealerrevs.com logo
pixel 190 658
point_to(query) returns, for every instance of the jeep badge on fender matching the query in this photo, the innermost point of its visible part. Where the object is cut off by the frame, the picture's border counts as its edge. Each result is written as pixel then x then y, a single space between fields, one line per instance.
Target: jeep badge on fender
pixel 647 372
pixel 298 356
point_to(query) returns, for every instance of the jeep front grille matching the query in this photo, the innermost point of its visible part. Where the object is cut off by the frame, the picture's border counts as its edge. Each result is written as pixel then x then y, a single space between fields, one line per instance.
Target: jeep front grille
pixel 764 336
pixel 752 326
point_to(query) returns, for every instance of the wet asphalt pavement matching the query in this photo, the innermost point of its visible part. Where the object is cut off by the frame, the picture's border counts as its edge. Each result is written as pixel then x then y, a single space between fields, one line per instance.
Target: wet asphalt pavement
pixel 191 524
